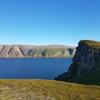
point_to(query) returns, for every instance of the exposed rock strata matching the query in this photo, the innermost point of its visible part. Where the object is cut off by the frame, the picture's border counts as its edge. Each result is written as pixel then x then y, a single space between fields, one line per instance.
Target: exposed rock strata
pixel 22 51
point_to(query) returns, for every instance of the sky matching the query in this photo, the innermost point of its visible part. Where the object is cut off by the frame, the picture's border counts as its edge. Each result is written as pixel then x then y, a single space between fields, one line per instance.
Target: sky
pixel 43 22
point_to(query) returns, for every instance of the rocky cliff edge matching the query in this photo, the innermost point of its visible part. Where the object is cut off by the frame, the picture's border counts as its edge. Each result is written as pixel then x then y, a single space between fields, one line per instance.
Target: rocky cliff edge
pixel 85 68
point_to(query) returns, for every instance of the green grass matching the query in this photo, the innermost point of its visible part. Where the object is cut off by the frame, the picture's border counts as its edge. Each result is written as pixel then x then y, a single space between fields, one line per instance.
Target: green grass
pixel 90 43
pixel 46 90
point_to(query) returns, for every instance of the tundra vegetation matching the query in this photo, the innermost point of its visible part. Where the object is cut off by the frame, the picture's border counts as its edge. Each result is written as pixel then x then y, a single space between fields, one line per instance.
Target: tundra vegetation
pixel 46 90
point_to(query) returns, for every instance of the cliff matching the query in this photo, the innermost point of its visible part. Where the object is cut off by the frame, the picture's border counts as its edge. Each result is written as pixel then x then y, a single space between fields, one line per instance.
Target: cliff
pixel 86 64
pixel 22 51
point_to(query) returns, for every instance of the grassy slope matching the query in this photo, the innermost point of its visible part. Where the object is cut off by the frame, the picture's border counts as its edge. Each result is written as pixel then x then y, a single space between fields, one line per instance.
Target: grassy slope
pixel 46 90
pixel 90 43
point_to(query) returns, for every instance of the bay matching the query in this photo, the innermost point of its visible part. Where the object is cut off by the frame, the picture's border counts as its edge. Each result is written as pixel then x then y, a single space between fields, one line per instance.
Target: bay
pixel 33 68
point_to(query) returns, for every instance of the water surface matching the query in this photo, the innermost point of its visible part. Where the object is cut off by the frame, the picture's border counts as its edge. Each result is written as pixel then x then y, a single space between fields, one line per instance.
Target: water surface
pixel 33 68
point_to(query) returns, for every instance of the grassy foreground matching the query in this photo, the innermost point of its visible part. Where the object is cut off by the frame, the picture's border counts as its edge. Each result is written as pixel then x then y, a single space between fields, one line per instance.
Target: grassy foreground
pixel 46 90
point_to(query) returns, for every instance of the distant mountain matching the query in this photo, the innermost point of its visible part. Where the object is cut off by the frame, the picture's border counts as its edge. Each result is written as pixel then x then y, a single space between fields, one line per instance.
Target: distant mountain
pixel 22 51
pixel 86 64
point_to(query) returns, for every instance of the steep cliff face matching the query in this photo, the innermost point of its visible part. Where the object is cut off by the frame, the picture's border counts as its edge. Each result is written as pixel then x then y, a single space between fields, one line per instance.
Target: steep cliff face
pixel 86 64
pixel 22 51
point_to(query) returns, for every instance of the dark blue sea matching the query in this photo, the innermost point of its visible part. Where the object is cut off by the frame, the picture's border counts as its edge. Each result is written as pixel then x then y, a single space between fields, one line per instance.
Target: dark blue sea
pixel 33 68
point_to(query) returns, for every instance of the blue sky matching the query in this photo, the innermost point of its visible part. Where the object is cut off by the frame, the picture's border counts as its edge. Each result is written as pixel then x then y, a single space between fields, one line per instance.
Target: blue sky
pixel 43 22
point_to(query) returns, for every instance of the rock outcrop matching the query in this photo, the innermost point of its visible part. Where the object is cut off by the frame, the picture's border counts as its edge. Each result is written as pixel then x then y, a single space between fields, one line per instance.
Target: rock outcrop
pixel 28 51
pixel 86 64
